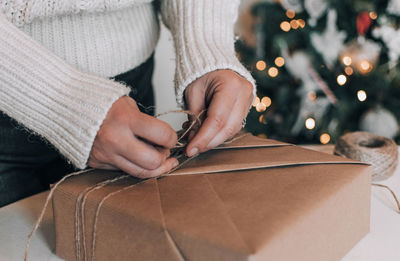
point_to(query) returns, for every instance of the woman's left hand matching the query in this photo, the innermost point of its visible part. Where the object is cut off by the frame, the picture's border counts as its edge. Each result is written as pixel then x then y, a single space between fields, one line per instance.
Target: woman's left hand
pixel 227 97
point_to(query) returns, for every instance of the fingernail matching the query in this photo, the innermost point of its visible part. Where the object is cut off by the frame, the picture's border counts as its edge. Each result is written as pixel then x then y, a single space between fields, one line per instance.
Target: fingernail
pixel 193 152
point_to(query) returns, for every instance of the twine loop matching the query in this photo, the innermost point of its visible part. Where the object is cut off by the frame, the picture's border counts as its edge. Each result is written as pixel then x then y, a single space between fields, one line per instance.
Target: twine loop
pixel 177 152
pixel 380 152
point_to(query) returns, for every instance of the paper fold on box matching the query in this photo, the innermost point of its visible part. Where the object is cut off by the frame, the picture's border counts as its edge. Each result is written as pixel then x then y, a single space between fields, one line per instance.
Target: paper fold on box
pixel 267 201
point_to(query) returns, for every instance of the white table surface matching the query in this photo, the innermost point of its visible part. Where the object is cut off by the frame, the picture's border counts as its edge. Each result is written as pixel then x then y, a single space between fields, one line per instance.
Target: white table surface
pixel 16 221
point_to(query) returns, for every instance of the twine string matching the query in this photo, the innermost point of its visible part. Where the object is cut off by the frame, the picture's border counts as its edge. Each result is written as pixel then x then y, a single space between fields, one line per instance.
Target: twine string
pixel 82 197
pixel 77 213
pixel 77 226
pixel 52 190
pixel 197 119
pixel 380 152
pixel 391 192
pixel 48 198
pixel 94 235
pixel 121 190
pixel 82 211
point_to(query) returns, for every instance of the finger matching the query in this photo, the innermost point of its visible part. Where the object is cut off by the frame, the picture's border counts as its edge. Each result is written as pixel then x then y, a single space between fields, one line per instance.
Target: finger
pixel 232 127
pixel 142 154
pixel 197 118
pixel 154 131
pixel 97 165
pixel 136 171
pixel 168 165
pixel 164 151
pixel 217 115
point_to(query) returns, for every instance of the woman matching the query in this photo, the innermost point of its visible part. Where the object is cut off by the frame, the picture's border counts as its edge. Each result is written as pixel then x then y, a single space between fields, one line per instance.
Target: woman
pixel 73 72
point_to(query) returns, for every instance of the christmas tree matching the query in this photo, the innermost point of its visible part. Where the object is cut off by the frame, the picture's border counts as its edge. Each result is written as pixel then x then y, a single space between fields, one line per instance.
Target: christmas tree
pixel 324 68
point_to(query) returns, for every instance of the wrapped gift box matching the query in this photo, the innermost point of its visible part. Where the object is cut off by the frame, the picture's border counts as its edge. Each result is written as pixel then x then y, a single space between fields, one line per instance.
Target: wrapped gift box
pixel 251 199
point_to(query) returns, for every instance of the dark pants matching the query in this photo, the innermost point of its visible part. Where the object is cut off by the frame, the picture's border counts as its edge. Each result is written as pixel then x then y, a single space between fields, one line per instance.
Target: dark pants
pixel 28 164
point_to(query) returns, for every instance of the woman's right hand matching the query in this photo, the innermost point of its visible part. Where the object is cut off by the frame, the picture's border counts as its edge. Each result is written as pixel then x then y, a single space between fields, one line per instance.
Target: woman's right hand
pixel 133 141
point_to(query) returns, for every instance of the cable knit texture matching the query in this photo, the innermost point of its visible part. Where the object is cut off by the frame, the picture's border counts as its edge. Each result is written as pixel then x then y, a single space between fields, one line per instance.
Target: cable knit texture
pixel 55 56
pixel 204 39
pixel 48 96
pixel 105 44
pixel 21 12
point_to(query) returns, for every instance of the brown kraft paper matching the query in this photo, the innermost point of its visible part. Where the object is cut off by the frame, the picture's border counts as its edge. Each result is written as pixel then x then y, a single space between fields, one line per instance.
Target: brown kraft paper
pixel 253 199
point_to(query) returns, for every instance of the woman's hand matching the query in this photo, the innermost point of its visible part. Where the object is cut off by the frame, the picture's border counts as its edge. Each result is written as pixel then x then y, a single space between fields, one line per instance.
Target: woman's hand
pixel 133 142
pixel 227 97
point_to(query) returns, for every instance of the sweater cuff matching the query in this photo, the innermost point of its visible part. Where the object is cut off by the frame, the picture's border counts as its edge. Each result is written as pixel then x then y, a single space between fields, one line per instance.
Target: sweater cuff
pixel 39 90
pixel 67 114
pixel 203 33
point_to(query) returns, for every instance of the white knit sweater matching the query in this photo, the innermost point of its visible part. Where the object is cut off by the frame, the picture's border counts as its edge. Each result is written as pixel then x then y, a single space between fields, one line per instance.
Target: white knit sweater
pixel 56 57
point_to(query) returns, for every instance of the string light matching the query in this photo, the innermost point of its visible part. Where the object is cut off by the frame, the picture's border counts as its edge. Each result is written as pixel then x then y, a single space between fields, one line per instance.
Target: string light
pixel 290 13
pixel 263 104
pixel 301 23
pixel 294 24
pixel 373 15
pixel 285 26
pixel 256 101
pixel 341 79
pixel 310 123
pixel 347 60
pixel 325 138
pixel 361 95
pixel 312 96
pixel 365 66
pixel 279 61
pixel 266 101
pixel 261 65
pixel 348 70
pixel 261 107
pixel 262 119
pixel 273 72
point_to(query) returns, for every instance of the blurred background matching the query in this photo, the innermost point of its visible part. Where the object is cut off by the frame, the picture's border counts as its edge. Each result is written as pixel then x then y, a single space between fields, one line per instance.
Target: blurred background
pixel 322 67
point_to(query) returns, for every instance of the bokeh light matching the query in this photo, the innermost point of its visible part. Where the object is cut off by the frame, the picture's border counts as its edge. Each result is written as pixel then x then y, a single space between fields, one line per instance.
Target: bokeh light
pixel 261 107
pixel 279 61
pixel 273 72
pixel 361 95
pixel 285 26
pixel 310 123
pixel 261 65
pixel 325 138
pixel 267 101
pixel 290 13
pixel 341 79
pixel 348 70
pixel 347 60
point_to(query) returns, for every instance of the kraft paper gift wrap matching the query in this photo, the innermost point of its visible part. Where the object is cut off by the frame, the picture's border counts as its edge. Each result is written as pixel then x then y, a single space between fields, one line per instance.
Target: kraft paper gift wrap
pixel 252 199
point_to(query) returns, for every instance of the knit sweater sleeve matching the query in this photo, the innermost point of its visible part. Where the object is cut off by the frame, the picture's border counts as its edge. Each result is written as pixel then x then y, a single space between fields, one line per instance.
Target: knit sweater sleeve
pixel 203 33
pixel 50 97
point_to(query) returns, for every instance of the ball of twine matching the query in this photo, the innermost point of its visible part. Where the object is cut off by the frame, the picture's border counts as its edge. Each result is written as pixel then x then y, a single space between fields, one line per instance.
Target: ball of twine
pixel 378 151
